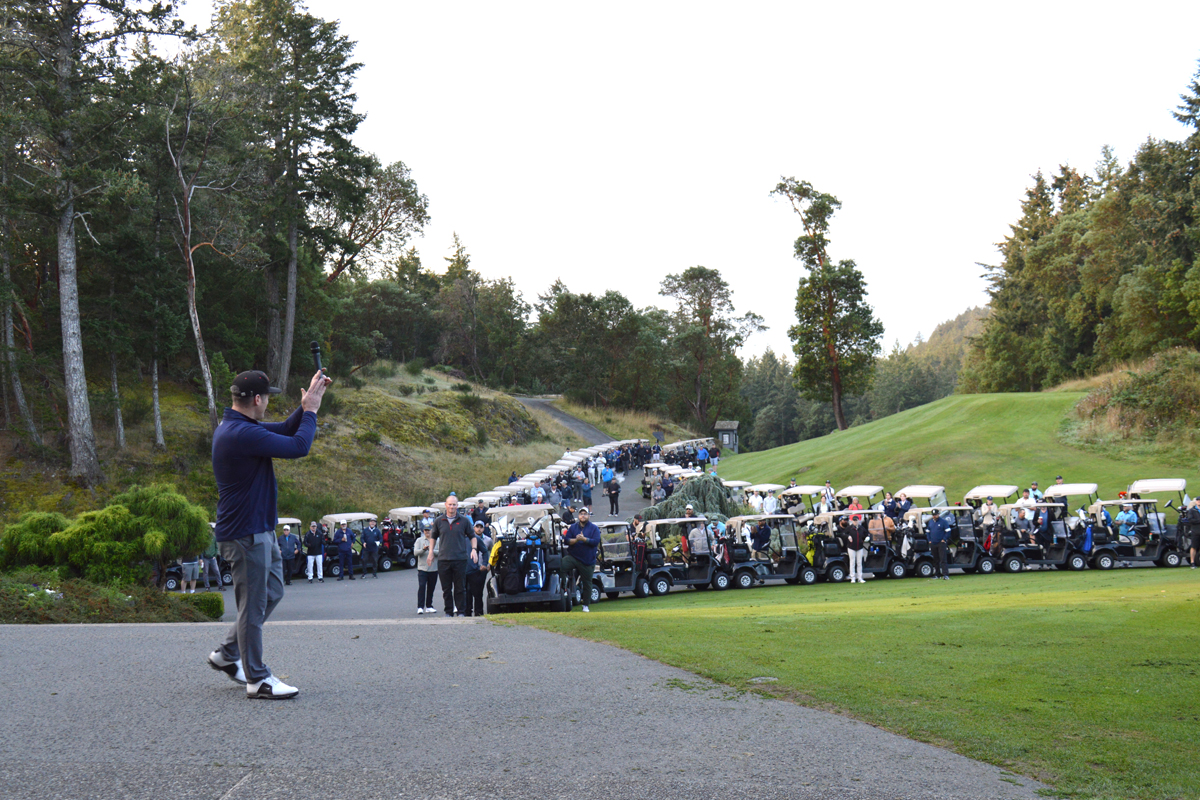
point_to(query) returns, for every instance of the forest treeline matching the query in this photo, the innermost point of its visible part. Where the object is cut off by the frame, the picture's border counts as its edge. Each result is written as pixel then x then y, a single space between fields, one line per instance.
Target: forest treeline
pixel 1100 269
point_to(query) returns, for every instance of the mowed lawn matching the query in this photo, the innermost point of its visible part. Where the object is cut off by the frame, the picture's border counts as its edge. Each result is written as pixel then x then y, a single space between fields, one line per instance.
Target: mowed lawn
pixel 958 442
pixel 1087 681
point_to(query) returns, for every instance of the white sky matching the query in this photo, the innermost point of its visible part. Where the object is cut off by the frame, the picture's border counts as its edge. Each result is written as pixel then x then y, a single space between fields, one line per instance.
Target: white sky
pixel 609 145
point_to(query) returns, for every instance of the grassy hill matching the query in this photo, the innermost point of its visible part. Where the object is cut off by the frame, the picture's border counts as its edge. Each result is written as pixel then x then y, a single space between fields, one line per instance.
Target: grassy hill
pixel 385 439
pixel 959 442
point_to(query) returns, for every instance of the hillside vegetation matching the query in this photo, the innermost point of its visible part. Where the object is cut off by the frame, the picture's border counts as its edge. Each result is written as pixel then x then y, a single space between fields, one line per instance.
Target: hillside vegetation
pixel 959 442
pixel 385 439
pixel 624 423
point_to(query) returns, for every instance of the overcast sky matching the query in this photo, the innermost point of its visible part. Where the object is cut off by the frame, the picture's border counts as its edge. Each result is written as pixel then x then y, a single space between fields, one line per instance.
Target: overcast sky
pixel 612 144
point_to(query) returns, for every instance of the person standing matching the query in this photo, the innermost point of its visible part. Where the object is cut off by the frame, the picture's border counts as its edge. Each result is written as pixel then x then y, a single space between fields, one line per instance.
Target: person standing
pixel 314 548
pixel 613 490
pixel 344 539
pixel 828 497
pixel 854 535
pixel 938 530
pixel 456 544
pixel 1193 526
pixel 770 503
pixel 289 547
pixel 372 538
pixel 583 540
pixel 988 512
pixel 212 569
pixel 427 572
pixel 191 572
pixel 242 452
pixel 477 573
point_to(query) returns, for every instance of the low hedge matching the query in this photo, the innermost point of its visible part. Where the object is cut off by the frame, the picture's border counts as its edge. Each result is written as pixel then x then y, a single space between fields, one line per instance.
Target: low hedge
pixel 211 603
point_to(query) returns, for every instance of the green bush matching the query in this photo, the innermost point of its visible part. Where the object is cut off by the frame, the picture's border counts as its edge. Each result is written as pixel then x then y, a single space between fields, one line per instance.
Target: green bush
pixel 429 380
pixel 481 436
pixel 331 404
pixel 442 367
pixel 471 402
pixel 368 437
pixel 414 367
pixel 211 603
pixel 354 382
pixel 222 378
pixel 461 387
pixel 407 389
pixel 135 408
pixel 27 541
pixel 1163 394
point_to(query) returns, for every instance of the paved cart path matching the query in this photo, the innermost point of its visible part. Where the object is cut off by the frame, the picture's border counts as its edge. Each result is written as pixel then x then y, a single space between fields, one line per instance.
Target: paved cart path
pixel 392 709
pixel 590 433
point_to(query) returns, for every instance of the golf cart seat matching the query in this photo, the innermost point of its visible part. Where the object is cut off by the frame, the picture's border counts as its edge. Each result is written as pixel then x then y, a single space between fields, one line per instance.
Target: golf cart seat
pixel 1009 539
pixel 740 553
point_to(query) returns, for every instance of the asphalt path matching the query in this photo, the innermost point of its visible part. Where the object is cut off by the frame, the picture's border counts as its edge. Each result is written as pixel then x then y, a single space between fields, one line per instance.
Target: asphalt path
pixel 590 433
pixel 426 708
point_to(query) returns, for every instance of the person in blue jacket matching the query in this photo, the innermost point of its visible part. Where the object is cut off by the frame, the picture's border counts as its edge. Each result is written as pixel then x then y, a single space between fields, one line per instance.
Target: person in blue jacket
pixel 938 531
pixel 583 540
pixel 344 539
pixel 242 451
pixel 372 539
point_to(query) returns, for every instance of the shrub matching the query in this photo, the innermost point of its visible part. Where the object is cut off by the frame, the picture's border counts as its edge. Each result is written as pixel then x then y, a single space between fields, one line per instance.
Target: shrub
pixel 135 408
pixel 471 402
pixel 414 367
pixel 1162 394
pixel 27 541
pixel 222 378
pixel 481 436
pixel 420 390
pixel 429 380
pixel 442 368
pixel 212 604
pixel 331 404
pixel 354 382
pixel 368 437
pixel 461 387
pixel 407 389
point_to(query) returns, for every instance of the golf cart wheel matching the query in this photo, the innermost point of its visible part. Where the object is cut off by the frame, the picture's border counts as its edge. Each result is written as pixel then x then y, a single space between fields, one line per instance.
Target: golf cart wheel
pixel 594 597
pixel 612 595
pixel 987 566
pixel 336 570
pixel 925 569
pixel 720 581
pixel 1136 539
pixel 493 608
pixel 660 586
pixel 968 570
pixel 808 576
pixel 1076 562
pixel 1171 559
pixel 562 604
pixel 1104 561
pixel 897 570
pixel 227 578
pixel 172 584
pixel 411 562
pixel 1013 564
pixel 836 574
pixel 642 587
pixel 743 580
pixel 385 564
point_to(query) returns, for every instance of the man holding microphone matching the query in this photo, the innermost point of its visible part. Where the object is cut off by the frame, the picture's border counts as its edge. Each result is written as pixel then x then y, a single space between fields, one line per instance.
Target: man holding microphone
pixel 242 452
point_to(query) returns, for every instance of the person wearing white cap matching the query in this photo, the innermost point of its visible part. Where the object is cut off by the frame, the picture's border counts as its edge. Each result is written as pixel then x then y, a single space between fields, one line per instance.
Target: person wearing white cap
pixel 289 546
pixel 770 503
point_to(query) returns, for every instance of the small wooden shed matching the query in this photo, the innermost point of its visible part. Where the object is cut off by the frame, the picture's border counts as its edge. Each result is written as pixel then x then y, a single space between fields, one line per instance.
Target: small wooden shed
pixel 727 436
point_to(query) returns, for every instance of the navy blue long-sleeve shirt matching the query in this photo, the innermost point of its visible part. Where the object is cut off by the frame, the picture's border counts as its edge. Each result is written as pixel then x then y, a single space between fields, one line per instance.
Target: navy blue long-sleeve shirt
pixel 241 453
pixel 585 551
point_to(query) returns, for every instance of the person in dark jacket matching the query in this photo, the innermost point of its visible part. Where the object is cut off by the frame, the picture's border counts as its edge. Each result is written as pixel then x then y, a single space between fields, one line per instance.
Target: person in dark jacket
pixel 314 549
pixel 939 530
pixel 583 540
pixel 613 490
pixel 242 451
pixel 854 537
pixel 456 544
pixel 477 573
pixel 1193 527
pixel 344 539
pixel 760 541
pixel 372 538
pixel 289 547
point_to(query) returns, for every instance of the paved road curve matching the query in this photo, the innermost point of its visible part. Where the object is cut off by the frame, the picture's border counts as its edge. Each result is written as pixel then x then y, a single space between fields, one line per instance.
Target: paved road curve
pixel 430 708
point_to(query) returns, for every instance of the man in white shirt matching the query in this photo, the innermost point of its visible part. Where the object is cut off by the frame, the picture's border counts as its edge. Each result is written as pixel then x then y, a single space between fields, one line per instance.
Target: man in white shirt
pixel 987 512
pixel 770 504
pixel 828 497
pixel 755 502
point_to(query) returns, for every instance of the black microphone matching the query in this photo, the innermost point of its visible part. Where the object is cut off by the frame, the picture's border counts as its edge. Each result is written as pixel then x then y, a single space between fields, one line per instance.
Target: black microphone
pixel 316 353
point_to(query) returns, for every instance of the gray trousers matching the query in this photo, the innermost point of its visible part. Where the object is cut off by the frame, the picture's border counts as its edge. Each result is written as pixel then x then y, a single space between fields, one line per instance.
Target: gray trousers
pixel 257 570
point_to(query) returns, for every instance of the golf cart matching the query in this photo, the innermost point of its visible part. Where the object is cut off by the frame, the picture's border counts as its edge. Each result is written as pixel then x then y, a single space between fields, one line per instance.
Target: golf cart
pixel 882 557
pixel 1155 520
pixel 399 542
pixel 1149 540
pixel 173 576
pixel 355 522
pixel 699 560
pixel 620 563
pixel 872 496
pixel 529 561
pixel 932 495
pixel 825 550
pixel 914 547
pixel 800 500
pixel 785 562
pixel 1056 539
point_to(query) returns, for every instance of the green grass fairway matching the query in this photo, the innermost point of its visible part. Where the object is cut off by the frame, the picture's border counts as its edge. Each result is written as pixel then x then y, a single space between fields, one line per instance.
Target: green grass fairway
pixel 958 442
pixel 1086 681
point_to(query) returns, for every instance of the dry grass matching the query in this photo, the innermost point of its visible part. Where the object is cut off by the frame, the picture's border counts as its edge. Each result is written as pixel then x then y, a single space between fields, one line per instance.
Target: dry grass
pixel 1094 381
pixel 625 424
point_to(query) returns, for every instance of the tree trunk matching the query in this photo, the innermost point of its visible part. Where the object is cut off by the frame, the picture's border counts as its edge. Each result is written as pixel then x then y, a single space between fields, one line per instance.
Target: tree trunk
pixel 116 390
pixel 194 316
pixel 10 350
pixel 159 443
pixel 289 324
pixel 838 416
pixel 274 333
pixel 85 466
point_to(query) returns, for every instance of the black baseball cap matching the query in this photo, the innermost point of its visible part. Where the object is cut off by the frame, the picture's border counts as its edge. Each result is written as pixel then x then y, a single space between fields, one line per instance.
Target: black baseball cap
pixel 935 512
pixel 252 382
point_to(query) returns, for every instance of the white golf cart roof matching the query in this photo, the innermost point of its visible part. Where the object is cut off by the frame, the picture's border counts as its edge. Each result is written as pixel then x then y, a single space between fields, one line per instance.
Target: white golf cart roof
pixel 406 513
pixel 921 491
pixel 764 487
pixel 518 486
pixel 1001 490
pixel 735 484
pixel 733 521
pixel 671 469
pixel 336 519
pixel 492 495
pixel 1004 509
pixel 808 488
pixel 287 521
pixel 1152 485
pixel 1070 489
pixel 532 511
pixel 654 523
pixel 865 490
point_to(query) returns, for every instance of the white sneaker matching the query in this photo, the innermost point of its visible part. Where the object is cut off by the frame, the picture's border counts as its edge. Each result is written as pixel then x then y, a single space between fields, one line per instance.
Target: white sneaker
pixel 429 610
pixel 271 688
pixel 420 610
pixel 231 668
pixel 586 609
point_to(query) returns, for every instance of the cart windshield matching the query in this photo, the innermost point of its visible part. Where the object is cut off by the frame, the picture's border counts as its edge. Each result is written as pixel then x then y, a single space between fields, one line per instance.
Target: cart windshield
pixel 614 545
